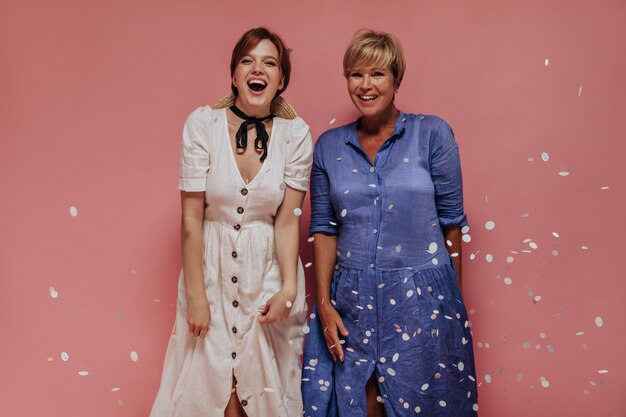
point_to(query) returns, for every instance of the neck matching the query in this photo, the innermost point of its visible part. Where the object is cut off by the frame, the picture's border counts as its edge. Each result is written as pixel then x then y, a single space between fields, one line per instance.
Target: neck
pixel 252 111
pixel 375 124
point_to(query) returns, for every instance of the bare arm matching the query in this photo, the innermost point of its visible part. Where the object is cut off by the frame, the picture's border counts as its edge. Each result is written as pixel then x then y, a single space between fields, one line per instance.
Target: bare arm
pixel 198 312
pixel 325 252
pixel 287 240
pixel 453 235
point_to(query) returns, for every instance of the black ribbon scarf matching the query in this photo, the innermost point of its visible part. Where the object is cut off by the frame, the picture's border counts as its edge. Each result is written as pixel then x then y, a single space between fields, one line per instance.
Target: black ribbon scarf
pixel 260 143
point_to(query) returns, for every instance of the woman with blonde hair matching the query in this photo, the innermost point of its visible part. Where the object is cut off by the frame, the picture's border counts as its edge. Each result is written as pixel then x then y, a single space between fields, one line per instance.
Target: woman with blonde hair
pixel 243 175
pixel 390 334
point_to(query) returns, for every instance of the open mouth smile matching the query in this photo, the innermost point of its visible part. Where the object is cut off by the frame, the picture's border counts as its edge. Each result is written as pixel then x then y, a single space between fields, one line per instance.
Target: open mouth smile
pixel 368 98
pixel 256 85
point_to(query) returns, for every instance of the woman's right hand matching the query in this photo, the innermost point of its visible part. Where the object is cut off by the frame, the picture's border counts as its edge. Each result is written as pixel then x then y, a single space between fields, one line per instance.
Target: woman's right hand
pixel 198 317
pixel 331 325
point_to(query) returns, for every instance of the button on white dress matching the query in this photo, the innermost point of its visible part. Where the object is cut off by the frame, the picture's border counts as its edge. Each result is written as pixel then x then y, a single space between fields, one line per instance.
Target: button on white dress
pixel 240 273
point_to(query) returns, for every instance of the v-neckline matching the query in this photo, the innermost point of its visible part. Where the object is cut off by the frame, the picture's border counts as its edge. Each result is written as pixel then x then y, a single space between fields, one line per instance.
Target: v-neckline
pixel 231 151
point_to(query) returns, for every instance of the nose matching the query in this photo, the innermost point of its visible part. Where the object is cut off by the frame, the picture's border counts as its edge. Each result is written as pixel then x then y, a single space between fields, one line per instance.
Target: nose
pixel 257 67
pixel 366 82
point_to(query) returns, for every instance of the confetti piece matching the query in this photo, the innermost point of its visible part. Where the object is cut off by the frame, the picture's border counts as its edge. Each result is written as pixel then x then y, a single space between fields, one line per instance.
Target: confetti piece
pixel 465 229
pixel 510 259
pixel 65 356
pixel 580 90
pixel 603 371
pixel 418 409
pixel 432 247
pixel 134 356
pixel 489 257
pixel 115 389
pixel 50 359
pixel 405 160
pixel 599 322
pixel 467 238
pixel 73 211
pixel 606 187
pixel 490 225
pixel 288 304
pixel 544 382
pixel 508 281
pixel 531 159
pixel 344 212
pixel 555 252
pixel 488 379
pixel 308 264
pixel 583 247
pixel 546 62
pixel 297 212
pixel 442 403
pixel 332 121
pixel 532 245
pixel 311 239
pixel 53 293
pixel 475 407
pixel 461 366
pixel 83 373
pixel 526 345
pixel 545 157
pixel 564 173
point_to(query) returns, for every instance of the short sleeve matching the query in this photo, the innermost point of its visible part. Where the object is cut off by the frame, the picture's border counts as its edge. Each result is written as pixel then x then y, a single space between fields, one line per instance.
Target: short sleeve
pixel 323 219
pixel 299 155
pixel 194 154
pixel 445 171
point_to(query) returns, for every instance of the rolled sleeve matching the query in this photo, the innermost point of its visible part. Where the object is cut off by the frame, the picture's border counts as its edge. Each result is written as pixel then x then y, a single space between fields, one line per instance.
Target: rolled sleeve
pixel 194 155
pixel 300 148
pixel 323 219
pixel 445 170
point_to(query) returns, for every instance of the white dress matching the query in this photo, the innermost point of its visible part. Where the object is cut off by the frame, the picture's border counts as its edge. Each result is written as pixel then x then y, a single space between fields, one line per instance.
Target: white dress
pixel 240 273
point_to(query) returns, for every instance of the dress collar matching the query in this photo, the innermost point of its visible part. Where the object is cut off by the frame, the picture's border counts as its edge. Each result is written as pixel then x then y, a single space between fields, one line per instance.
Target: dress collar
pixel 352 136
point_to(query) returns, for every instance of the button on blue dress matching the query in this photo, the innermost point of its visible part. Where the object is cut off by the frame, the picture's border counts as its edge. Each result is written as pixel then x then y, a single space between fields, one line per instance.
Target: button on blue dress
pixel 394 285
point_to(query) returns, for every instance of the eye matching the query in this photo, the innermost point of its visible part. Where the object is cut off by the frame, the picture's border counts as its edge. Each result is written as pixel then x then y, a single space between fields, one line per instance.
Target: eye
pixel 246 61
pixel 356 74
pixel 271 63
pixel 378 74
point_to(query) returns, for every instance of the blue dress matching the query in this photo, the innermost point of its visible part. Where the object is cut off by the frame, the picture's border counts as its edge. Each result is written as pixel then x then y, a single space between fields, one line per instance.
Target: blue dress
pixel 394 284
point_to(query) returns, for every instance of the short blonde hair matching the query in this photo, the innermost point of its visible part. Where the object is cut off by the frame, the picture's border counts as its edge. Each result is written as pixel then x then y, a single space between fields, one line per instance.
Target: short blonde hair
pixel 379 49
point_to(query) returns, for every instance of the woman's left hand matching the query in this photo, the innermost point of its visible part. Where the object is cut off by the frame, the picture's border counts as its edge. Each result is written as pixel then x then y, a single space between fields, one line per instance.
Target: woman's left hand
pixel 278 307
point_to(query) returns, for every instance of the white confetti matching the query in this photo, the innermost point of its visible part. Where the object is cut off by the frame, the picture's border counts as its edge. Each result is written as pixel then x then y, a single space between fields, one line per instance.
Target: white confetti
pixel 332 121
pixel 490 225
pixel 461 366
pixel 509 259
pixel 475 407
pixel 297 212
pixel 405 160
pixel 115 389
pixel 606 187
pixel 134 356
pixel 73 211
pixel 467 238
pixel 532 245
pixel 580 90
pixel 405 337
pixel 344 212
pixel 555 234
pixel 418 409
pixel 545 157
pixel 603 371
pixel 599 322
pixel 432 248
pixel 442 403
pixel 465 229
pixel 288 304
pixel 435 261
pixel 488 379
pixel 83 373
pixel 546 62
pixel 564 173
pixel 391 371
pixel 65 356
pixel 311 239
pixel 508 281
pixel 308 264
pixel 53 293
pixel 544 382
pixel 489 257
pixel 398 248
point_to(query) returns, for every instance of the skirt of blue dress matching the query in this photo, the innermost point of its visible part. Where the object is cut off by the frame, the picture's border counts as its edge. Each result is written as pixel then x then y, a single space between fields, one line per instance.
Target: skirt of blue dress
pixel 409 328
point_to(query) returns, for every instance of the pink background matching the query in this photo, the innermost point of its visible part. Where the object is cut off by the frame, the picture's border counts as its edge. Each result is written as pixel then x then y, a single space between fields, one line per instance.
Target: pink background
pixel 93 98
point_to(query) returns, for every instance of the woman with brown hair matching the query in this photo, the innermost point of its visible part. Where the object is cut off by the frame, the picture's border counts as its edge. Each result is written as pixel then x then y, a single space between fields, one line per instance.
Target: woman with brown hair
pixel 390 335
pixel 243 175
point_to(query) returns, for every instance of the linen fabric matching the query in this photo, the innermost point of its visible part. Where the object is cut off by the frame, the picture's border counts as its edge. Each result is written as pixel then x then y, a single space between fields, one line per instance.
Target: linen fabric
pixel 394 285
pixel 241 273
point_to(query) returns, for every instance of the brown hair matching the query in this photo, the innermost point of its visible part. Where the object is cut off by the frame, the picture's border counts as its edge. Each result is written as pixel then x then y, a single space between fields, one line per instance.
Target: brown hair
pixel 375 48
pixel 249 40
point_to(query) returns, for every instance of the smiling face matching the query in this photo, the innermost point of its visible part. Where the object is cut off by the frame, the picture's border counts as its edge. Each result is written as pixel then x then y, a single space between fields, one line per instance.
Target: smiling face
pixel 371 89
pixel 257 78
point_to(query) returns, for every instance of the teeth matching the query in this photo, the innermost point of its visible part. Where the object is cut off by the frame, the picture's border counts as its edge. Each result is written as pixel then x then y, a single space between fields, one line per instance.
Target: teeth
pixel 256 82
pixel 367 97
